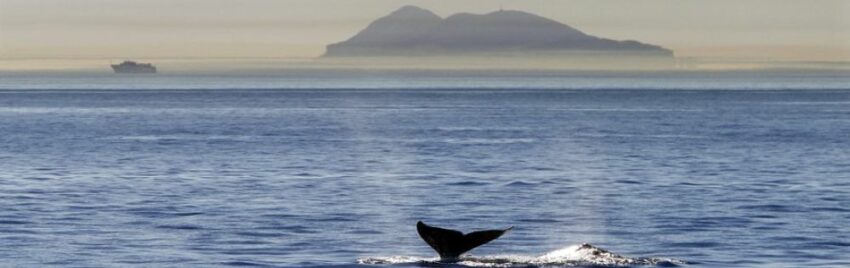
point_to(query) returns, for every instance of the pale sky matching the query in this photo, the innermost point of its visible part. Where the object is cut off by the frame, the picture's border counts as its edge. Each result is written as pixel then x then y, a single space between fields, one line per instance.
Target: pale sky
pixel 807 30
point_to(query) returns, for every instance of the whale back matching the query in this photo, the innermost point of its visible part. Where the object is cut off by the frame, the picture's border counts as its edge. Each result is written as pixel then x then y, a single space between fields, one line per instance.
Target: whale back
pixel 450 244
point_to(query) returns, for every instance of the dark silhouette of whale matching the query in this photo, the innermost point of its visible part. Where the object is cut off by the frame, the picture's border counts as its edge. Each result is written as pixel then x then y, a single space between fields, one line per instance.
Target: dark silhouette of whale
pixel 450 244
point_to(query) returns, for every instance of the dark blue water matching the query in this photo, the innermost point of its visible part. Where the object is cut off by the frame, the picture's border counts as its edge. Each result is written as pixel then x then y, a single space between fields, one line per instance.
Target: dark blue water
pixel 311 178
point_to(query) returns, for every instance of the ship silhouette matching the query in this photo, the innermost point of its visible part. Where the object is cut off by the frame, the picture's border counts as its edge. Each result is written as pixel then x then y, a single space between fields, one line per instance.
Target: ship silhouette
pixel 133 67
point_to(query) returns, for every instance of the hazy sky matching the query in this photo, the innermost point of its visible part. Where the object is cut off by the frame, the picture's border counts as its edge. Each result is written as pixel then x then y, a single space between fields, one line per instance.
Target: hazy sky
pixel 759 29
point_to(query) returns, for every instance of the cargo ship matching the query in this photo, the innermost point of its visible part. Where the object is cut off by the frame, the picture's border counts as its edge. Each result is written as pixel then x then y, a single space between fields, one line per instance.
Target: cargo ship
pixel 132 67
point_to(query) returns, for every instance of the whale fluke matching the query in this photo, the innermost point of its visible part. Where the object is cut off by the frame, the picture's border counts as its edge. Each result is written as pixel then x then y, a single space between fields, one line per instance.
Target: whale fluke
pixel 450 244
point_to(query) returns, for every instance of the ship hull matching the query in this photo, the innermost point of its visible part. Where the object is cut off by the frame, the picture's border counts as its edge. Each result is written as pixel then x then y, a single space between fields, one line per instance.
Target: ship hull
pixel 133 70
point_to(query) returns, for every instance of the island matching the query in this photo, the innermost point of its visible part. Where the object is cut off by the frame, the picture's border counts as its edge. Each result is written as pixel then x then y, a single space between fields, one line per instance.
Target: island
pixel 415 32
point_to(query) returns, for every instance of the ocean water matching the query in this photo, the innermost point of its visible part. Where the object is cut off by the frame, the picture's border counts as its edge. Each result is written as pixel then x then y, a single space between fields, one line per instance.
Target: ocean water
pixel 216 171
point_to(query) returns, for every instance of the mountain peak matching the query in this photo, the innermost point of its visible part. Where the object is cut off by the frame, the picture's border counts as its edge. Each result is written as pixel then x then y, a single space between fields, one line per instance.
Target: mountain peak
pixel 412 11
pixel 411 8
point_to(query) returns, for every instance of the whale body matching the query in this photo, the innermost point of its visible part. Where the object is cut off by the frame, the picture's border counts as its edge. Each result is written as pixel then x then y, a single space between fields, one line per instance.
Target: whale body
pixel 450 244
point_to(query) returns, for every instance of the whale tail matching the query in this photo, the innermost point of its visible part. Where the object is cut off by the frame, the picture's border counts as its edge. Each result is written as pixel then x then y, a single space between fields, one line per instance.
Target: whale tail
pixel 450 244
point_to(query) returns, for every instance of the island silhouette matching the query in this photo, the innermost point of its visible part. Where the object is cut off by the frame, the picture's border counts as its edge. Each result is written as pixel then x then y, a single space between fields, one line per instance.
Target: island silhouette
pixel 413 31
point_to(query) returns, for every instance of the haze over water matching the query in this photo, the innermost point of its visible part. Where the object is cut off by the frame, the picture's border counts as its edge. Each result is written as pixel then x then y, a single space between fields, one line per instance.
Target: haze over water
pixel 314 170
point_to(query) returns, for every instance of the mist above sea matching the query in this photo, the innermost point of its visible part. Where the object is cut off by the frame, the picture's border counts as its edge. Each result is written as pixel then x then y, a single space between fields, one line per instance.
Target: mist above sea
pixel 102 78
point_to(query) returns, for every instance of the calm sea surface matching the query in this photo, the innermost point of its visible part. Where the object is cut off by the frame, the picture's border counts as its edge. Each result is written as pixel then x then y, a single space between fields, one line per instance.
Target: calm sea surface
pixel 198 171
